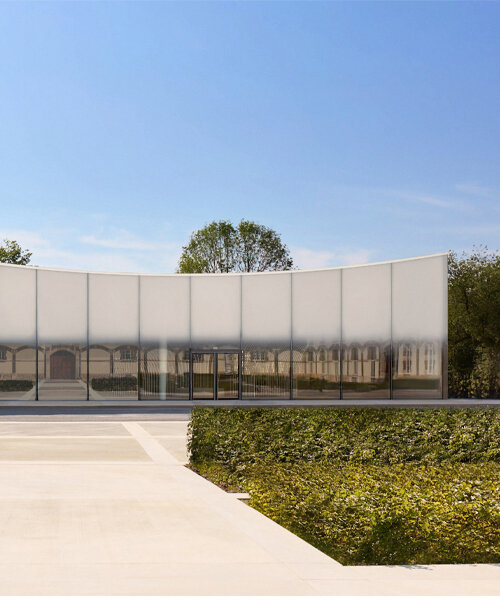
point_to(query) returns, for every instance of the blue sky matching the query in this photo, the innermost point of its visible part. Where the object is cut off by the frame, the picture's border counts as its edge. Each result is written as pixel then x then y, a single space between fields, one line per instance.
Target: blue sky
pixel 360 131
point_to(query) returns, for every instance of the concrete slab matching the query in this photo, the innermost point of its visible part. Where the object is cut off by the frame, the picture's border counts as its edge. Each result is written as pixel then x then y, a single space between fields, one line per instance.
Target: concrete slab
pixel 70 449
pixel 121 516
pixel 51 429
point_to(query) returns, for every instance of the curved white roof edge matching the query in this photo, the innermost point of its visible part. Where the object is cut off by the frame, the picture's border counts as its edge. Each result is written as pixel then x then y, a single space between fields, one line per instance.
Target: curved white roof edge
pixel 382 262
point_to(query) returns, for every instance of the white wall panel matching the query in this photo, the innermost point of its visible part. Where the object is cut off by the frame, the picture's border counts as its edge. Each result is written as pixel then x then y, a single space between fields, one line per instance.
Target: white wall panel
pixel 164 308
pixel 366 303
pixel 419 298
pixel 266 304
pixel 215 309
pixel 62 307
pixel 17 305
pixel 316 306
pixel 113 308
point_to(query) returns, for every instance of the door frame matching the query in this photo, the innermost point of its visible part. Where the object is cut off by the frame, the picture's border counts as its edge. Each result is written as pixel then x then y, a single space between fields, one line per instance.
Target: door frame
pixel 215 354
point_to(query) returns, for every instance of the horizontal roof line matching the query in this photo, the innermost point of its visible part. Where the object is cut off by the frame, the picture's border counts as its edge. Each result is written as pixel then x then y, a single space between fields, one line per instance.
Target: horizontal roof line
pixel 384 262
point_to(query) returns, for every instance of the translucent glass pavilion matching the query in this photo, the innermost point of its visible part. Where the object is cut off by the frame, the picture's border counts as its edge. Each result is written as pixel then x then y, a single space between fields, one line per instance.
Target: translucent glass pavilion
pixel 370 331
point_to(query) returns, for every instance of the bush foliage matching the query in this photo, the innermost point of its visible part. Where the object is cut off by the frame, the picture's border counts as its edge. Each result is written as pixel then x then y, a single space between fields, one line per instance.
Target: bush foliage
pixel 16 385
pixel 366 486
pixel 368 435
pixel 127 383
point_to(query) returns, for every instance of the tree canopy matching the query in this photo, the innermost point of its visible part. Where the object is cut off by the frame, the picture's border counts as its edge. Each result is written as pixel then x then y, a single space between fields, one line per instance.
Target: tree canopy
pixel 221 247
pixel 11 252
pixel 474 324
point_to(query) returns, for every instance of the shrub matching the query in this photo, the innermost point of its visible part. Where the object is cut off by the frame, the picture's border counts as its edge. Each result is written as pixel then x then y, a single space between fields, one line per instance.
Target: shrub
pixel 368 435
pixel 16 385
pixel 112 384
pixel 404 514
pixel 366 486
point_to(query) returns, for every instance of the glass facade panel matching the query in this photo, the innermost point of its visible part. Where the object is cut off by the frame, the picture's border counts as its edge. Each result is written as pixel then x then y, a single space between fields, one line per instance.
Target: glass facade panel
pixel 17 333
pixel 17 372
pixel 164 372
pixel 266 335
pixel 215 311
pixel 316 322
pixel 165 337
pixel 366 332
pixel 266 372
pixel 419 327
pixel 227 376
pixel 113 336
pixel 62 335
pixel 203 364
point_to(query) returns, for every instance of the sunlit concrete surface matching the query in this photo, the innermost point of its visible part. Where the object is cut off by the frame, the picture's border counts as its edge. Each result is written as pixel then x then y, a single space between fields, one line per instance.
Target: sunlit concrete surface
pixel 108 508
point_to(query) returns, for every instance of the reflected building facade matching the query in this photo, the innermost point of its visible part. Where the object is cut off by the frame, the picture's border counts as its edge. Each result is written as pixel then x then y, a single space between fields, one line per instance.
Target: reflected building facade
pixel 374 331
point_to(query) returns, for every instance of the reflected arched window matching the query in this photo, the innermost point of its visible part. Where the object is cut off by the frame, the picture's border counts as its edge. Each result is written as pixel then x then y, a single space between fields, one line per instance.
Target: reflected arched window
pixel 406 359
pixel 354 360
pixel 429 359
pixel 322 355
pixel 128 354
pixel 372 357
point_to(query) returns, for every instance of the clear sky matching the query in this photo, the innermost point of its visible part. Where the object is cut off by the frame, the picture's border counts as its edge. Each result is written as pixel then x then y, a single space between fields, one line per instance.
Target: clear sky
pixel 359 131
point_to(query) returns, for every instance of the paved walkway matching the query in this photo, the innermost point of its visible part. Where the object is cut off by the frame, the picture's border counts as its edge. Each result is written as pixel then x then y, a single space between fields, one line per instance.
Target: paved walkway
pixel 103 507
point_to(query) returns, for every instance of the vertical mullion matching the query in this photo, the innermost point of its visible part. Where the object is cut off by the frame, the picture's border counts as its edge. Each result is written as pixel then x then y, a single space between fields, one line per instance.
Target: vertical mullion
pixel 36 335
pixel 139 338
pixel 190 380
pixel 291 336
pixel 444 339
pixel 391 351
pixel 240 353
pixel 215 366
pixel 341 348
pixel 88 338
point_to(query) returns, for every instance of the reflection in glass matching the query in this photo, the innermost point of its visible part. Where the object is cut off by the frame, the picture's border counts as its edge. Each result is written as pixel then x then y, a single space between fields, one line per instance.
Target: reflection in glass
pixel 417 370
pixel 366 370
pixel 266 372
pixel 17 372
pixel 62 373
pixel 227 376
pixel 316 372
pixel 203 375
pixel 164 372
pixel 113 371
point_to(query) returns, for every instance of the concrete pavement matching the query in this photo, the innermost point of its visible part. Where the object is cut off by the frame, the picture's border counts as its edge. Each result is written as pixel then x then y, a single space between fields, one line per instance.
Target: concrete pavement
pixel 107 507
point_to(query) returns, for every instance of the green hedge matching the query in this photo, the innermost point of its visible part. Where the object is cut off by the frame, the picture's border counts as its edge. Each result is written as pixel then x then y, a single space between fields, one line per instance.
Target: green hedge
pixel 114 384
pixel 16 385
pixel 366 486
pixel 368 435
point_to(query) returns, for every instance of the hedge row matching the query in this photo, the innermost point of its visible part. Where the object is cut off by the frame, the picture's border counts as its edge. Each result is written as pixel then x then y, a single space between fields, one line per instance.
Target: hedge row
pixel 367 435
pixel 366 486
pixel 113 384
pixel 371 514
pixel 16 385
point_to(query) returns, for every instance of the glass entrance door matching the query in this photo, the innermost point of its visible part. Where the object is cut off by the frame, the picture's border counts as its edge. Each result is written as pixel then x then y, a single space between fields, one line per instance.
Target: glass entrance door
pixel 215 375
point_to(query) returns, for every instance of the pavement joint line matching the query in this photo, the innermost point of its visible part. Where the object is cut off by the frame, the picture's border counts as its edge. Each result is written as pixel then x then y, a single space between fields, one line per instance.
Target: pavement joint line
pixel 150 445
pixel 4 436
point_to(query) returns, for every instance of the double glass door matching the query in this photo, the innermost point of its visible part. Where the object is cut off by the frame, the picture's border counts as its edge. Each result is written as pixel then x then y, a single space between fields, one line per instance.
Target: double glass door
pixel 215 375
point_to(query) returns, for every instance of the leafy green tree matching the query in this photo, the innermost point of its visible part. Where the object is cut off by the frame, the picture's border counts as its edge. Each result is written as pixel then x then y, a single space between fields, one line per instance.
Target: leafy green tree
pixel 211 249
pixel 11 252
pixel 220 247
pixel 474 324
